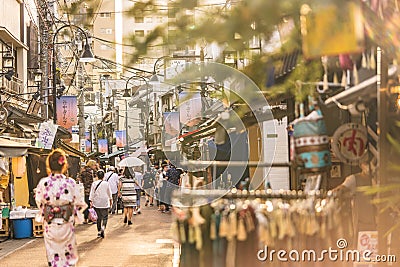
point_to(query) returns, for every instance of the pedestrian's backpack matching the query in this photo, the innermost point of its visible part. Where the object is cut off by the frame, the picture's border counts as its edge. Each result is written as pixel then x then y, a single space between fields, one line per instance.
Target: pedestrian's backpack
pixel 148 179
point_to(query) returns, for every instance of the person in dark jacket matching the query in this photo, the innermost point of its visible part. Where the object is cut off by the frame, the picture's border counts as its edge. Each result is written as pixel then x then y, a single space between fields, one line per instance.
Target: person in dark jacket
pixel 173 181
pixel 87 176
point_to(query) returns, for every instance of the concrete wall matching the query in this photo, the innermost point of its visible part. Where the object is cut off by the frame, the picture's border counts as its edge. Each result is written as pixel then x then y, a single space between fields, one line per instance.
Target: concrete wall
pixel 10 16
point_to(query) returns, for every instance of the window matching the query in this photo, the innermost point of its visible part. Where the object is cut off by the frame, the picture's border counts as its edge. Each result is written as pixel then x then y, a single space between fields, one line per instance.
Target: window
pixel 106 31
pixel 105 15
pixel 139 33
pixel 139 19
pixel 148 20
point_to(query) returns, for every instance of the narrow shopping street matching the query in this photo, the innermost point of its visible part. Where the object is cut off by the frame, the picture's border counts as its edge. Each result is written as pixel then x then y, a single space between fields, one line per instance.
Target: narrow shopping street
pixel 146 243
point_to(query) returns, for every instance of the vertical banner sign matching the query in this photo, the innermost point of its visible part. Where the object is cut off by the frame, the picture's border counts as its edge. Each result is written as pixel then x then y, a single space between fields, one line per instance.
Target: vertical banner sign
pixel 67 112
pixel 103 146
pixel 88 143
pixel 190 108
pixel 47 133
pixel 120 137
pixel 171 127
pixel 368 241
pixel 330 29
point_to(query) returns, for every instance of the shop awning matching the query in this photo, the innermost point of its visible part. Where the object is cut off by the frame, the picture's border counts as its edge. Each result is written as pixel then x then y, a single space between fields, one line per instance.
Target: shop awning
pixel 208 128
pixel 8 37
pixel 111 155
pixel 360 91
pixel 19 115
pixel 11 149
pixel 63 133
pixel 69 149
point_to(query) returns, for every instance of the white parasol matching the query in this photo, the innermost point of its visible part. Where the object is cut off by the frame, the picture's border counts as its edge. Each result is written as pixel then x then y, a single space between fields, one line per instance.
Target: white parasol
pixel 131 162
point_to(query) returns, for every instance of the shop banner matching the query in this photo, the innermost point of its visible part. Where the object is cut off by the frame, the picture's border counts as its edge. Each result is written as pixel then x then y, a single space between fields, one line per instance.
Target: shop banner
pixel 103 146
pixel 190 108
pixel 368 241
pixel 171 127
pixel 67 112
pixel 88 142
pixel 329 29
pixel 120 137
pixel 47 133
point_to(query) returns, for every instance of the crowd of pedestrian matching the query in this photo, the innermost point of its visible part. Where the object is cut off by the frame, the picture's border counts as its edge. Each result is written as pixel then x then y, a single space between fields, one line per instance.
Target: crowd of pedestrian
pixel 64 201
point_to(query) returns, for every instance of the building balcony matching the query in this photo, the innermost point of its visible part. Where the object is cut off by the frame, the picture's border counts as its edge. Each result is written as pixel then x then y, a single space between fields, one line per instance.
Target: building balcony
pixel 14 86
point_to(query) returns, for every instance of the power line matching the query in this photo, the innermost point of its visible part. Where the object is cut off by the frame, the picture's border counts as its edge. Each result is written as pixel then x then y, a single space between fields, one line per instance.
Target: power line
pixel 122 65
pixel 97 13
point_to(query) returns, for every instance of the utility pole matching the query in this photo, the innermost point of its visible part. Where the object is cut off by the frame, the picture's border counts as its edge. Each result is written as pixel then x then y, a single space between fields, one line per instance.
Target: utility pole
pixel 44 56
pixel 81 106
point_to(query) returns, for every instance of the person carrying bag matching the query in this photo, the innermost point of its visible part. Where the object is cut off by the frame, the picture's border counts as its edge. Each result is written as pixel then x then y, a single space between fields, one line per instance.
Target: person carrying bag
pixel 101 199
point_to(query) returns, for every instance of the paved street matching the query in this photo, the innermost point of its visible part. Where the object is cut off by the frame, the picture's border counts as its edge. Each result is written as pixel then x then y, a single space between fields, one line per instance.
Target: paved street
pixel 146 243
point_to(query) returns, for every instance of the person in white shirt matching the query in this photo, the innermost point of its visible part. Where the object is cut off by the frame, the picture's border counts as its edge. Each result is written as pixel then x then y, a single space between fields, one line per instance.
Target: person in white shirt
pixel 101 198
pixel 113 180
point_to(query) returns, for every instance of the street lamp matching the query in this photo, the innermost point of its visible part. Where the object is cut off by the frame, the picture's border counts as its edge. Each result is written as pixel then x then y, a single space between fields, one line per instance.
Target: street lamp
pixel 154 78
pixel 147 103
pixel 86 57
pixel 38 79
pixel 126 96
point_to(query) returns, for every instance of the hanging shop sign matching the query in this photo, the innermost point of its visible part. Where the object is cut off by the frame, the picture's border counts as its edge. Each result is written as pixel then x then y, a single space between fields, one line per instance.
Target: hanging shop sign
pixel 190 108
pixel 368 241
pixel 67 112
pixel 47 133
pixel 120 138
pixel 103 146
pixel 171 128
pixel 330 29
pixel 350 143
pixel 312 142
pixel 88 142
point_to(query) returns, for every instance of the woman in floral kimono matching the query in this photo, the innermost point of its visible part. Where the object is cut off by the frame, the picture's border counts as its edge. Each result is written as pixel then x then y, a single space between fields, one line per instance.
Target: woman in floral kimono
pixel 61 204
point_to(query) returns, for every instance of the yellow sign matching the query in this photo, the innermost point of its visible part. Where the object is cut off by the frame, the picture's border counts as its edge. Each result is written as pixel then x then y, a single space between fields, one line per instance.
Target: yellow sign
pixel 331 30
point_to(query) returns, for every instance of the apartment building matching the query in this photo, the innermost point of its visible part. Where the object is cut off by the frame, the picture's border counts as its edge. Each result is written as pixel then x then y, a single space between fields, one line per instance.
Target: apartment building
pixel 19 44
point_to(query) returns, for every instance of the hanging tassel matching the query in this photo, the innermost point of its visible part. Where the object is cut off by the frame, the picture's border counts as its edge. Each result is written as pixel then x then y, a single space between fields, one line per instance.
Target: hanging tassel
pixel 241 233
pixel 223 227
pixel 301 110
pixel 323 227
pixel 372 61
pixel 233 223
pixel 355 74
pixel 198 237
pixel 325 84
pixel 363 61
pixel 175 231
pixel 191 236
pixel 344 79
pixel 335 78
pixel 182 233
pixel 213 229
pixel 249 222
